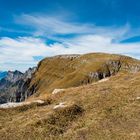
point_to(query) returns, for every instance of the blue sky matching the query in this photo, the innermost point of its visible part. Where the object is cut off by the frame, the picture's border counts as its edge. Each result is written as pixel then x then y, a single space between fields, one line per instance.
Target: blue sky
pixel 33 29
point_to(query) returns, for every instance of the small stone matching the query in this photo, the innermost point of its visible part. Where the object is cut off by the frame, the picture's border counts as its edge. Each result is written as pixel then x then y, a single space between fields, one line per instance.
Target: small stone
pixel 60 105
pixel 138 98
pixel 55 91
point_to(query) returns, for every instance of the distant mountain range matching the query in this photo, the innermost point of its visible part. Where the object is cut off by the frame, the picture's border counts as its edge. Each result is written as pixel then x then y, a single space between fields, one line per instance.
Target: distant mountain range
pixel 3 74
pixel 13 85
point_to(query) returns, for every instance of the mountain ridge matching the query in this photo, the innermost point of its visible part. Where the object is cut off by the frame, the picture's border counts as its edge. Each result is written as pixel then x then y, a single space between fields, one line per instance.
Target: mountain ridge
pixel 13 85
pixel 64 71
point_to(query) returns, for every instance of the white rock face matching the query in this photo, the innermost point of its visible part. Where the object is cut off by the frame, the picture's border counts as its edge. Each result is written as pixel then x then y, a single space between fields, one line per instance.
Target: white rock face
pixel 38 101
pixel 12 104
pixel 55 91
pixel 138 98
pixel 60 105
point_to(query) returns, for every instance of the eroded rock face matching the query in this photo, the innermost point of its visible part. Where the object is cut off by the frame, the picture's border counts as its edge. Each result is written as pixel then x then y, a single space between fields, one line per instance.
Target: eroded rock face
pixel 14 76
pixel 14 86
pixel 111 68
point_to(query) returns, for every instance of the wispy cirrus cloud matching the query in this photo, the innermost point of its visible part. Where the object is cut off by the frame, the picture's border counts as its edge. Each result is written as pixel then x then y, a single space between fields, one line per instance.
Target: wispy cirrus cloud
pixel 53 25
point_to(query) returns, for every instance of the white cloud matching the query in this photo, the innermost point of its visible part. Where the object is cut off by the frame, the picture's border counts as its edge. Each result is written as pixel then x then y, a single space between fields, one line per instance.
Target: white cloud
pixel 94 43
pixel 18 53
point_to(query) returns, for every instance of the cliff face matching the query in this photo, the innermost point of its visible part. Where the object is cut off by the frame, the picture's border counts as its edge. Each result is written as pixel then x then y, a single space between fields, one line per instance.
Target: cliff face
pixel 64 71
pixel 13 87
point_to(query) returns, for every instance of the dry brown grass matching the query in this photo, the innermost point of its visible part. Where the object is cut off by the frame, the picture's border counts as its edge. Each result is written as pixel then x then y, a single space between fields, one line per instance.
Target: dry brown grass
pixel 62 72
pixel 103 111
pixel 99 111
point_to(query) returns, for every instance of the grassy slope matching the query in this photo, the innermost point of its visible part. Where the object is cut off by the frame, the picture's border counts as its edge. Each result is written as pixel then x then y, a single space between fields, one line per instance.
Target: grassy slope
pixel 99 111
pixel 59 72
